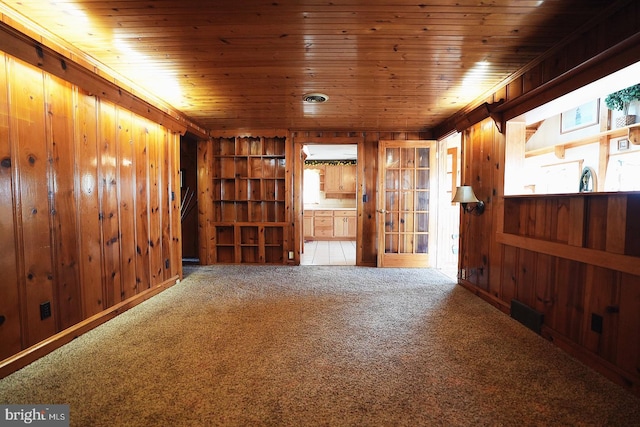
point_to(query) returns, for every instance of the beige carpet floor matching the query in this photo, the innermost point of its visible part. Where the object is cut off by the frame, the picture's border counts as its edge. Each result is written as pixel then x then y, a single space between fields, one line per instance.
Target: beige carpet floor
pixel 318 346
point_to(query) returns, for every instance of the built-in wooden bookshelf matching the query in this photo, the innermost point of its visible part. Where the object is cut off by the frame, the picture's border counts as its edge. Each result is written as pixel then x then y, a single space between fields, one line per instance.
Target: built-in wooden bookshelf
pixel 249 212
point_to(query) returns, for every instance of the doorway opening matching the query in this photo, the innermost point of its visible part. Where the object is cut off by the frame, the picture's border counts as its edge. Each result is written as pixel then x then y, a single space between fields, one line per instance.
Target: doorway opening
pixel 189 199
pixel 329 204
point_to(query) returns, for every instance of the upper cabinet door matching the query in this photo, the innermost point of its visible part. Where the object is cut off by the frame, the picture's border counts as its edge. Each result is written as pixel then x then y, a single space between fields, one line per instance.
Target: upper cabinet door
pixel 340 179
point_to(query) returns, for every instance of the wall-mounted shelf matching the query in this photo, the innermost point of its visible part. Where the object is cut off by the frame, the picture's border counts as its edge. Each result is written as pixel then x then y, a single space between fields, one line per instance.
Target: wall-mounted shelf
pixel 632 132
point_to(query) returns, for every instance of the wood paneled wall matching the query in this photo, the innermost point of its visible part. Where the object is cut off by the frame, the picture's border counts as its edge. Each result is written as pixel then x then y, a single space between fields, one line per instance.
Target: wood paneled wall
pixel 573 258
pixel 89 212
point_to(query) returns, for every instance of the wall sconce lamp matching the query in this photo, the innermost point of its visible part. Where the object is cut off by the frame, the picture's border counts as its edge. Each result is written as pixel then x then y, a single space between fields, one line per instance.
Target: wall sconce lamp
pixel 465 196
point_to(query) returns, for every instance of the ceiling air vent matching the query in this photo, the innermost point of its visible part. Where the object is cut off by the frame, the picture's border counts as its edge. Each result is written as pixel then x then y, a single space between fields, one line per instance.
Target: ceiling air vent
pixel 315 98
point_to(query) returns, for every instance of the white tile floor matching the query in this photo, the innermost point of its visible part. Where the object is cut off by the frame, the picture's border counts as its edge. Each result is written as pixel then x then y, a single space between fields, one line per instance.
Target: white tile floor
pixel 329 252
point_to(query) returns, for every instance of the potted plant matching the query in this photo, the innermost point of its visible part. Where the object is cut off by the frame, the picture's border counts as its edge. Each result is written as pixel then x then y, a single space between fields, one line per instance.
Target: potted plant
pixel 620 101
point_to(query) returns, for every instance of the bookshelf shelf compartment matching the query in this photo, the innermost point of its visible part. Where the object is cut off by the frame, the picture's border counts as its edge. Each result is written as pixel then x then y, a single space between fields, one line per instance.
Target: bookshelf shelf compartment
pixel 248 192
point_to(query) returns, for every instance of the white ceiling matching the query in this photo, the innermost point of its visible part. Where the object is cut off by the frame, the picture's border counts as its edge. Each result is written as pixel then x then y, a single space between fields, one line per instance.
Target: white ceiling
pixel 331 151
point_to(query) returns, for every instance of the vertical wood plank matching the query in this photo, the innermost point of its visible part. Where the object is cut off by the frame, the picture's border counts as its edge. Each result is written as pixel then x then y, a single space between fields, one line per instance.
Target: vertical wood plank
pixel 27 128
pixel 526 289
pixel 88 204
pixel 602 298
pixel 577 214
pixel 545 286
pixel 632 232
pixel 569 310
pixel 141 134
pixel 509 273
pixel 165 191
pixel 498 154
pixel 616 225
pixel 64 224
pixel 10 328
pixel 109 204
pixel 596 226
pixel 155 221
pixel 176 220
pixel 368 172
pixel 126 213
pixel 205 200
pixel 562 221
pixel 628 344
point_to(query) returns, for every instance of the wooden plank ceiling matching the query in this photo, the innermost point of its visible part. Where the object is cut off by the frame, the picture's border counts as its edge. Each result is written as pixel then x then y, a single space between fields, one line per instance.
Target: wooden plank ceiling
pixel 385 65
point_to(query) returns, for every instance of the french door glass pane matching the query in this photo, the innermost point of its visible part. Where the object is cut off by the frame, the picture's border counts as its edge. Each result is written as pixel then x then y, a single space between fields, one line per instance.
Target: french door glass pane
pixel 392 181
pixel 423 158
pixel 422 222
pixel 422 243
pixel 422 179
pixel 407 179
pixel 393 157
pixel 408 158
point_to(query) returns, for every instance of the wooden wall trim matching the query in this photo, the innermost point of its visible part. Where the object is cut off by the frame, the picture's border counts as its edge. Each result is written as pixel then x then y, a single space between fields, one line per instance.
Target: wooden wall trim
pixel 29 355
pixel 618 262
pixel 241 133
pixel 21 46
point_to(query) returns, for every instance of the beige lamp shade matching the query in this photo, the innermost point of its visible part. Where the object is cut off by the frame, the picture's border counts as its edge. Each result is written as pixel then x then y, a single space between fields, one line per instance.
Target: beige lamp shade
pixel 465 194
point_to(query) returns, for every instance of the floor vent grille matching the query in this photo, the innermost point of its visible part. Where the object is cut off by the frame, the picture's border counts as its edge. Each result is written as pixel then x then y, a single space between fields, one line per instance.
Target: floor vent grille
pixel 527 316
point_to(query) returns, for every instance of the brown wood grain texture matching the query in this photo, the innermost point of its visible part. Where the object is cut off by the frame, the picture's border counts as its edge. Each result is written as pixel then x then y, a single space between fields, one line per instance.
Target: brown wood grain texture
pixel 155 220
pixel 10 328
pixel 64 224
pixel 176 220
pixel 545 286
pixel 527 278
pixel 498 152
pixel 109 219
pixel 509 274
pixel 141 143
pixel 88 203
pixel 570 299
pixel 596 223
pixel 602 298
pixel 126 173
pixel 206 238
pixel 632 233
pixel 368 169
pixel 68 235
pixel 616 224
pixel 165 191
pixel 28 134
pixel 628 344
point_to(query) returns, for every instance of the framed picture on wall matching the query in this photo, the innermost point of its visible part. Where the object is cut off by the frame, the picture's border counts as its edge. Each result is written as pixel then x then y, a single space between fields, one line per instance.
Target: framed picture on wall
pixel 580 117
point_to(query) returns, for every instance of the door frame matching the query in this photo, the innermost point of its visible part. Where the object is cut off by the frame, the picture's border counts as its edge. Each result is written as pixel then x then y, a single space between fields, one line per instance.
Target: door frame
pixel 298 167
pixel 408 260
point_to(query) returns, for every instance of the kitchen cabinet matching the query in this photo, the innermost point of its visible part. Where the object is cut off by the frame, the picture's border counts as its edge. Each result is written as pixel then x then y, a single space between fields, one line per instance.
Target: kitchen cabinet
pixel 344 224
pixel 340 179
pixel 336 224
pixel 322 224
pixel 307 224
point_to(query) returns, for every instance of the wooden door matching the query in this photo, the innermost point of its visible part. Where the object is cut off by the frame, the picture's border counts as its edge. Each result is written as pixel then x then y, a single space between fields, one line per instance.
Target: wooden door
pixel 406 181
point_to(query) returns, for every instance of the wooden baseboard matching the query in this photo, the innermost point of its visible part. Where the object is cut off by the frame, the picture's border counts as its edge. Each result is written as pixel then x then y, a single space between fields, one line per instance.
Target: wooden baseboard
pixel 29 355
pixel 494 301
pixel 607 369
pixel 595 362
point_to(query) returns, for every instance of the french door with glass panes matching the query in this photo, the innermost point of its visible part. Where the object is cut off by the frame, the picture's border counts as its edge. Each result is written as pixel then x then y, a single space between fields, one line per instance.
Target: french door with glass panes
pixel 406 210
